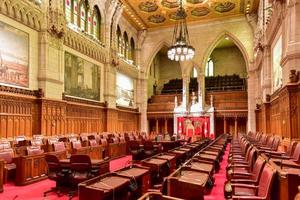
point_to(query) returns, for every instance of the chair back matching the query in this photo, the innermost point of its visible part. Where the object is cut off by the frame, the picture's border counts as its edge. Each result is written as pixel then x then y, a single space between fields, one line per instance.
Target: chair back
pixel 4 145
pixel 80 163
pixel 104 142
pixel 276 143
pixel 76 144
pixel 291 148
pixel 270 141
pixel 296 154
pixel 257 168
pixel 34 150
pixel 53 140
pixel 134 145
pixel 59 146
pixel 52 163
pixel 7 155
pixel 148 145
pixel 265 182
pixel 93 143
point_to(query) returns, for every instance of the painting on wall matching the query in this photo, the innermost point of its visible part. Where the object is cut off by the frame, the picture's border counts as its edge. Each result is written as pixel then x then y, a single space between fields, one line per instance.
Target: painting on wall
pixel 277 70
pixel 125 90
pixel 82 78
pixel 14 56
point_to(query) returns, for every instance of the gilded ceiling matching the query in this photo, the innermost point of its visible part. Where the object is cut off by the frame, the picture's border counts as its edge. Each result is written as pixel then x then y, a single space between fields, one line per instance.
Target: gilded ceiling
pixel 156 13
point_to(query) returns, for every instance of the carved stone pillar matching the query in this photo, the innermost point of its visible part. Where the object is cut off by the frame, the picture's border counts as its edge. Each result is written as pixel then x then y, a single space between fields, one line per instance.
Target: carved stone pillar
pixel 185 92
pixel 142 102
pixel 166 125
pixel 291 39
pixel 110 86
pixel 156 127
pixel 266 74
pixel 201 89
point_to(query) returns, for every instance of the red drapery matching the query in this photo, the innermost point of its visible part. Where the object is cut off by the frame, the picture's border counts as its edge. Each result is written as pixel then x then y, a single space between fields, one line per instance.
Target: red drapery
pixel 193 126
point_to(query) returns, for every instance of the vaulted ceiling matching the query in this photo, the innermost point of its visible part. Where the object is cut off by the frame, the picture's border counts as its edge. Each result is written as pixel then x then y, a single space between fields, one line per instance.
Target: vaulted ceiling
pixel 145 14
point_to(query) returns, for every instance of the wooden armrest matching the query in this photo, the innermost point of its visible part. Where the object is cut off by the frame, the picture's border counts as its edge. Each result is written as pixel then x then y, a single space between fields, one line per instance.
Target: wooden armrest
pixel 241 174
pixel 244 185
pixel 247 197
pixel 242 181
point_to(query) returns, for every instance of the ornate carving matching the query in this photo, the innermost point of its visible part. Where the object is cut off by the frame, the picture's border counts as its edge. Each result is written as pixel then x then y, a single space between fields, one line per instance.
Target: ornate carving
pixel 35 93
pixel 85 45
pixel 195 1
pixel 148 6
pixel 293 76
pixel 200 11
pixel 57 23
pixel 157 19
pixel 83 101
pixel 170 3
pixel 224 7
pixel 24 12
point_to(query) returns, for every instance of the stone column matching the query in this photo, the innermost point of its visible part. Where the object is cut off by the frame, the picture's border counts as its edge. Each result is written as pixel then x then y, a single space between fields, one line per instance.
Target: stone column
pixel 185 92
pixel 201 89
pixel 156 126
pixel 291 39
pixel 251 101
pixel 266 73
pixel 166 125
pixel 110 85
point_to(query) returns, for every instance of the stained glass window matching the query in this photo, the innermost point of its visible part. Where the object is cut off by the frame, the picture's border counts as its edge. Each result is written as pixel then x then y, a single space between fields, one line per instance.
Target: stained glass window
pixel 75 12
pixel 68 10
pixel 82 16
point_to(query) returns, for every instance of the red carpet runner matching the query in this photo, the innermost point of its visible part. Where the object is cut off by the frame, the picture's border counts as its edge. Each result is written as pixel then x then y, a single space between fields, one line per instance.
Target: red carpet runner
pixel 217 192
pixel 35 191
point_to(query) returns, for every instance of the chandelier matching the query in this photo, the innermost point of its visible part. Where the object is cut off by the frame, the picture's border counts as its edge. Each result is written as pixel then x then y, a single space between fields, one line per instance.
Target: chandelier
pixel 181 50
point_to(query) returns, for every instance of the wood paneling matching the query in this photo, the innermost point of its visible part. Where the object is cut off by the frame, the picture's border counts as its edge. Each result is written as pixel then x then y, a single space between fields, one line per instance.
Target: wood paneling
pixel 281 115
pixel 25 112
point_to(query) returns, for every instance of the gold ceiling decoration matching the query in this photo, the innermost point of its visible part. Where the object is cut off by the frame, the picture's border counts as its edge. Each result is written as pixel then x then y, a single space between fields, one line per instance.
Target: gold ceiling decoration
pixel 145 14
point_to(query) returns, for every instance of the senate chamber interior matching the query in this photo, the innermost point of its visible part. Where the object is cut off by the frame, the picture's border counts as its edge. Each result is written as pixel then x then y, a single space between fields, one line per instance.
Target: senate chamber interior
pixel 149 99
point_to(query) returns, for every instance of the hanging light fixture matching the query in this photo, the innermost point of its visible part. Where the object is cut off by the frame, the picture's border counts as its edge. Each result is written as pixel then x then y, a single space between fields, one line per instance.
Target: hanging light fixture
pixel 181 50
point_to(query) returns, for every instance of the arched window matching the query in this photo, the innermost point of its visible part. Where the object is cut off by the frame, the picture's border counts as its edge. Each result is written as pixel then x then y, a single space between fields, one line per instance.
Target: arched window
pixel 132 51
pixel 83 15
pixel 209 71
pixel 96 29
pixel 126 45
pixel 68 10
pixel 119 40
pixel 89 23
pixel 75 12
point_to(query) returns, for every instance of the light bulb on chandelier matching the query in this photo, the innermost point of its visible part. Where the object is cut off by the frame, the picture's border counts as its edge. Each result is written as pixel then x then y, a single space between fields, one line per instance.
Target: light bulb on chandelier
pixel 181 48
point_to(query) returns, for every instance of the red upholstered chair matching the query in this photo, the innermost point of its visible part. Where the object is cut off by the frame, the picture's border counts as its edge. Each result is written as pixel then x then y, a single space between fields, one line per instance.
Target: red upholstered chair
pixel 249 191
pixel 9 165
pixel 34 150
pixel 55 173
pixel 135 149
pixel 244 175
pixel 93 143
pixel 59 146
pixel 76 144
pixel 4 145
pixel 284 155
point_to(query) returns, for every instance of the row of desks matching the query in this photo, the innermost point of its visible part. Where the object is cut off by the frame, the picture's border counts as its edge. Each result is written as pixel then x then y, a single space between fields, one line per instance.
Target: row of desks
pixel 135 180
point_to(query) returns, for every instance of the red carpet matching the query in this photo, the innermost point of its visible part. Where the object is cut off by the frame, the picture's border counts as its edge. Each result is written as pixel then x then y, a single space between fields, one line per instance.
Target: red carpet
pixel 36 191
pixel 217 192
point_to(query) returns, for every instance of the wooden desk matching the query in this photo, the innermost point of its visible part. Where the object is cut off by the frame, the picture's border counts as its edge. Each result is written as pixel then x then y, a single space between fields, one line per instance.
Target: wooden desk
pixel 170 158
pixel 30 169
pixel 139 175
pixel 191 183
pixel 59 154
pixel 201 166
pixel 286 182
pixel 168 145
pixel 181 155
pixel 96 152
pixel 158 169
pixel 103 165
pixel 116 150
pixel 106 187
pixel 157 196
pixel 1 174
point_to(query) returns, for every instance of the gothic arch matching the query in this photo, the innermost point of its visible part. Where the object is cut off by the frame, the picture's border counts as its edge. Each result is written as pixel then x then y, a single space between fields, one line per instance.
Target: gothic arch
pixel 235 40
pixel 157 48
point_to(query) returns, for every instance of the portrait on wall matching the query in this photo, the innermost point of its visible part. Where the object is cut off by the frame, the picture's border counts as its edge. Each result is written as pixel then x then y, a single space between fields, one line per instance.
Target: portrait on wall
pixel 125 90
pixel 277 70
pixel 14 56
pixel 82 78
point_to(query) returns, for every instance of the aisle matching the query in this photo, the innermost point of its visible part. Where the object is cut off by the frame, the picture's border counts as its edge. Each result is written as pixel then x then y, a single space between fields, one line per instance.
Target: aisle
pixel 217 192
